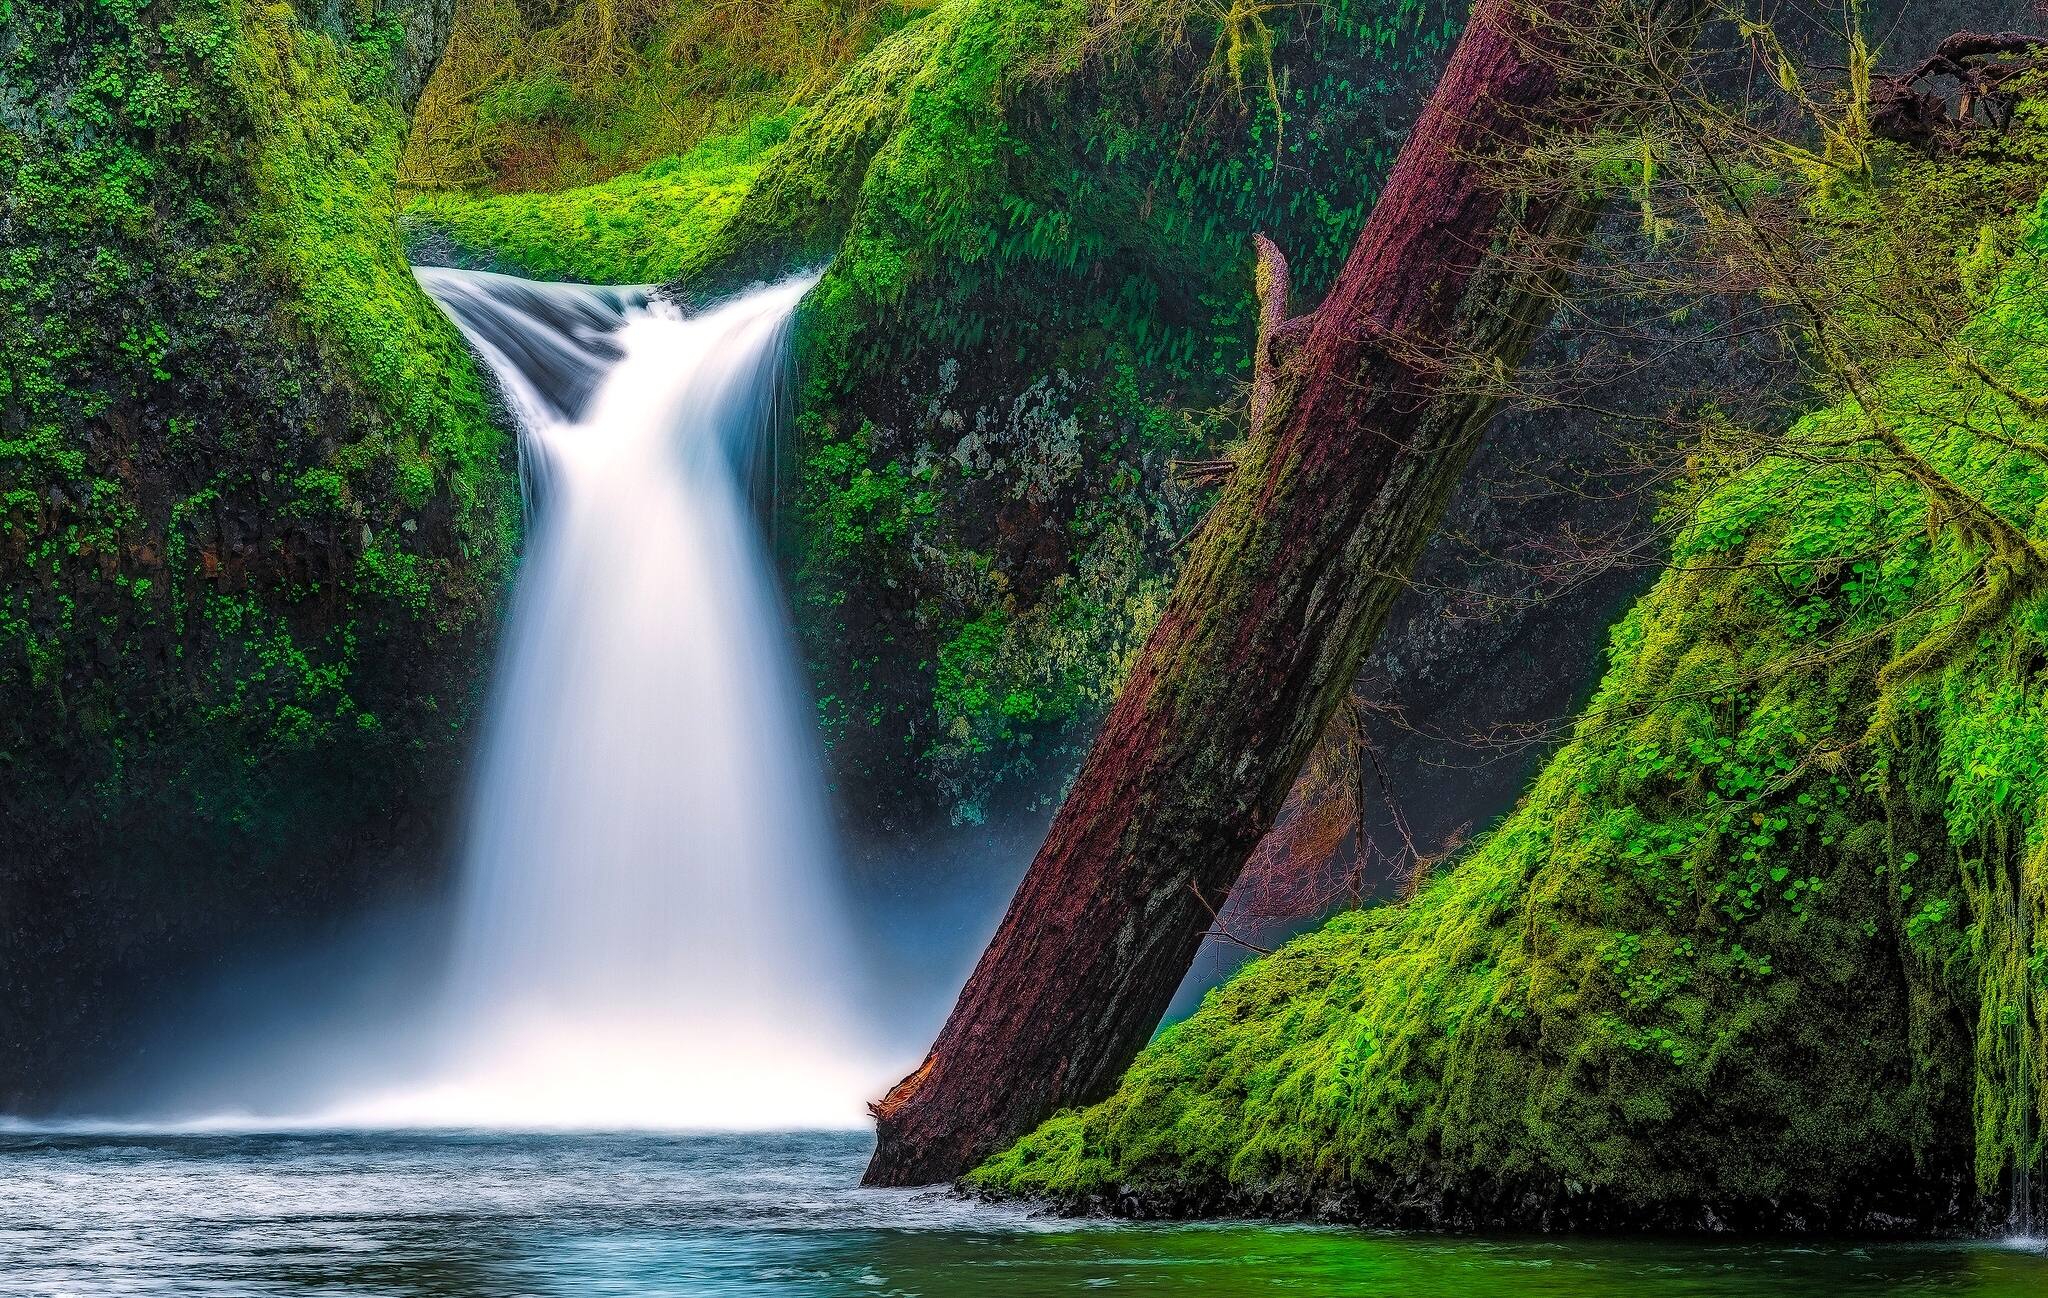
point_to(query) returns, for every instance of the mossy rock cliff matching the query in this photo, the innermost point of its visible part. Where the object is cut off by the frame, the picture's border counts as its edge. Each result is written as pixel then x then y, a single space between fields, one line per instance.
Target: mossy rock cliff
pixel 256 513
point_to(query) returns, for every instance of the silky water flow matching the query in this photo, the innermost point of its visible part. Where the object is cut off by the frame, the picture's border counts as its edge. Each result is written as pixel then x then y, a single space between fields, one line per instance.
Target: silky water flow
pixel 650 931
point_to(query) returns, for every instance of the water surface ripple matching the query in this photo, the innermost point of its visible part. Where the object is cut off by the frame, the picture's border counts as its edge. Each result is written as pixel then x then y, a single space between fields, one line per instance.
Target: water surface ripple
pixel 430 1215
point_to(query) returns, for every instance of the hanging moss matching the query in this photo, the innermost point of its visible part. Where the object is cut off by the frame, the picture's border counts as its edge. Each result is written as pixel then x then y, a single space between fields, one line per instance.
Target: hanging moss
pixel 541 96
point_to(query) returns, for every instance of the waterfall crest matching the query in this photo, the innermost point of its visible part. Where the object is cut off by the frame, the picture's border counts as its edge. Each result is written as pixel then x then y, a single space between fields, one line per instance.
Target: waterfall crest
pixel 649 931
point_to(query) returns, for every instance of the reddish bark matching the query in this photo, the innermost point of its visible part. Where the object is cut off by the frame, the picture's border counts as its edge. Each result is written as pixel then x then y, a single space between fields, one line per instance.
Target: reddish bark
pixel 1287 584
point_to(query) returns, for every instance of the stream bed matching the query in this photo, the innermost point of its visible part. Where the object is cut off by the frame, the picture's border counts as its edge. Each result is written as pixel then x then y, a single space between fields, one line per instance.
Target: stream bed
pixel 92 1213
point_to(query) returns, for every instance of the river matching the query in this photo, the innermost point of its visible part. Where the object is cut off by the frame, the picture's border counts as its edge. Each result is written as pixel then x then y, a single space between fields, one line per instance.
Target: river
pixel 456 1216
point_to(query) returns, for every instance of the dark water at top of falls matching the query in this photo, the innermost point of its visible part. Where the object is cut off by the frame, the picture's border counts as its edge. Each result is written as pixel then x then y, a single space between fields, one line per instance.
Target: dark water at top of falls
pixel 433 1215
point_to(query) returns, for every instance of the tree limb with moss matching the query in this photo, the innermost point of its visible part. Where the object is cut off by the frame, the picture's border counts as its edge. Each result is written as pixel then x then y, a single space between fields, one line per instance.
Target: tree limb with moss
pixel 1284 590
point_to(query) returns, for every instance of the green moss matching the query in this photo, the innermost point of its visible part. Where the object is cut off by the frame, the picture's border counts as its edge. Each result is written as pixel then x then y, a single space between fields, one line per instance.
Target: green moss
pixel 541 99
pixel 325 214
pixel 656 224
pixel 255 512
pixel 1039 258
pixel 1732 949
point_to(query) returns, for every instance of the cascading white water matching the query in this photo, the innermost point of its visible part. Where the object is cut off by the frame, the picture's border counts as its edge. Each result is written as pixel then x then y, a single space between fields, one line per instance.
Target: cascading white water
pixel 649 931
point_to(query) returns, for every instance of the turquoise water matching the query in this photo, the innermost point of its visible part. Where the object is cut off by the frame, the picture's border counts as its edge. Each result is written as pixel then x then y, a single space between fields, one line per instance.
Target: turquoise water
pixel 432 1215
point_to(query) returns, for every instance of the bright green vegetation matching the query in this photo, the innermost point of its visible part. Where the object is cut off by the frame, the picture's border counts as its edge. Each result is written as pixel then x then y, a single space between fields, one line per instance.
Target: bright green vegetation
pixel 1769 935
pixel 1041 237
pixel 657 224
pixel 547 95
pixel 322 217
pixel 254 507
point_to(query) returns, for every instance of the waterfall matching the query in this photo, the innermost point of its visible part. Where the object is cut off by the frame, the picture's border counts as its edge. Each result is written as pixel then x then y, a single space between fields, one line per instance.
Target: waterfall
pixel 649 931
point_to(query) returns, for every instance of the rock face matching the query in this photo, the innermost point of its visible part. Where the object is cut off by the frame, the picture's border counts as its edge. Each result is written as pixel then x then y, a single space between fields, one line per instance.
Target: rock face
pixel 1038 302
pixel 255 515
pixel 408 36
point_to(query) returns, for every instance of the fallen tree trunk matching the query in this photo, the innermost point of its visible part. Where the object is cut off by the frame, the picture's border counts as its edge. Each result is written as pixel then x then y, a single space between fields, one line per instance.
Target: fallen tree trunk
pixel 1368 412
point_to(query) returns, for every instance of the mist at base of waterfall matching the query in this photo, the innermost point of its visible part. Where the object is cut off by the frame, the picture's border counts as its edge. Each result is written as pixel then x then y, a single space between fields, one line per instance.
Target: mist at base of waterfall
pixel 551 1074
pixel 337 1028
